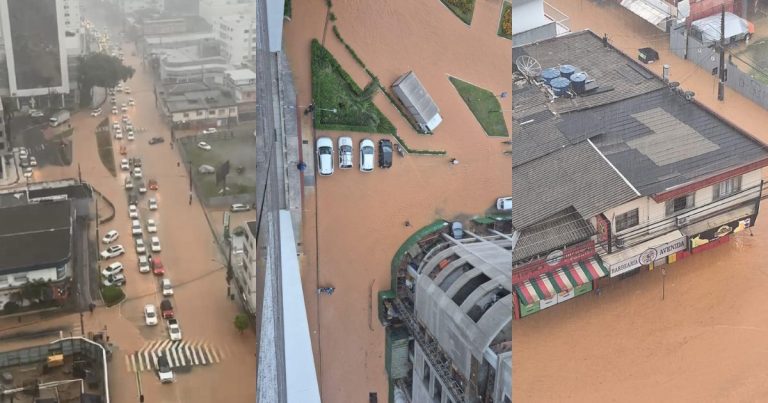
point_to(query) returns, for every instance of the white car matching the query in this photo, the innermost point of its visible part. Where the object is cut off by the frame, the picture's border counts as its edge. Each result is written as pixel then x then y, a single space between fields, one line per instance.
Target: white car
pixel 130 136
pixel 325 156
pixel 28 172
pixel 112 252
pixel 32 161
pixel 136 227
pixel 131 102
pixel 209 130
pixel 164 371
pixel 204 146
pixel 133 211
pixel 115 125
pixel 143 264
pixel 128 183
pixel 150 315
pixel 114 111
pixel 137 172
pixel 35 113
pixel 174 331
pixel 142 188
pixel 112 269
pixel 153 204
pixel 366 155
pixel 118 134
pixel 167 288
pixel 504 203
pixel 345 153
pixel 127 90
pixel 116 280
pixel 110 236
pixel 96 112
pixel 140 248
pixel 124 165
pixel 124 108
pixel 151 226
pixel 155 244
pixel 23 153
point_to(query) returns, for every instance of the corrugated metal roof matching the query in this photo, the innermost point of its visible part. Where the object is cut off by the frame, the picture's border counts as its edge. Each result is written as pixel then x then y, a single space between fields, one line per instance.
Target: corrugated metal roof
pixel 417 95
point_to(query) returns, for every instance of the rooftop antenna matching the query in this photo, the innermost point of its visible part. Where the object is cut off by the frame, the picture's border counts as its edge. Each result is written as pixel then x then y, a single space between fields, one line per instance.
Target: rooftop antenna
pixel 529 66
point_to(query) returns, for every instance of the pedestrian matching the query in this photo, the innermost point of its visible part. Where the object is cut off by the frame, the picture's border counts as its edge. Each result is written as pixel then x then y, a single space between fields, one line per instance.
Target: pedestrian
pixel 178 164
pixel 454 161
pixel 190 199
pixel 301 166
pixel 407 223
pixel 91 307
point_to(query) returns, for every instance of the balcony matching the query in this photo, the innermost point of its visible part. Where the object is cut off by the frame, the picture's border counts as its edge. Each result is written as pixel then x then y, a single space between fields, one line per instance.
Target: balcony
pixel 558 17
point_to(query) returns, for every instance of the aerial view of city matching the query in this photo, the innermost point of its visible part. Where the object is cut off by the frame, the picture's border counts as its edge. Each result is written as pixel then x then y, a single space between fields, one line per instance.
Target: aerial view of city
pixel 402 201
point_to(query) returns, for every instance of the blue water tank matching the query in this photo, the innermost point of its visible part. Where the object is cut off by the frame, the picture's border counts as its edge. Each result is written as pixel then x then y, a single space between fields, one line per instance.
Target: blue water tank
pixel 578 80
pixel 560 85
pixel 566 70
pixel 550 74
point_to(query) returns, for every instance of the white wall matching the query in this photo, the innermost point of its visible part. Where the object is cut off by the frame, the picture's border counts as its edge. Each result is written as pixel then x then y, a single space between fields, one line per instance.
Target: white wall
pixel 192 115
pixel 650 212
pixel 528 14
pixel 8 285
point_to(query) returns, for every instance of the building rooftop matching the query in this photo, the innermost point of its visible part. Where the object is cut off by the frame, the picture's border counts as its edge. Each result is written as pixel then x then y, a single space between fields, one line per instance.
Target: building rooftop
pixel 241 74
pixel 195 96
pixel 253 227
pixel 35 236
pixel 418 97
pixel 632 136
pixel 192 36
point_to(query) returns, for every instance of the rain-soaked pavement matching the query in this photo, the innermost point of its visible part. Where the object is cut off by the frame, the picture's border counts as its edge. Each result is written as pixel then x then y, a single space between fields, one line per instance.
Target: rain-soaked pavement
pixel 360 216
pixel 706 340
pixel 190 256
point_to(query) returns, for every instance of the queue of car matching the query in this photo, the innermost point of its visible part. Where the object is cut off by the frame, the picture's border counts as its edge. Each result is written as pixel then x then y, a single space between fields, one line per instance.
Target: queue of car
pixel 325 154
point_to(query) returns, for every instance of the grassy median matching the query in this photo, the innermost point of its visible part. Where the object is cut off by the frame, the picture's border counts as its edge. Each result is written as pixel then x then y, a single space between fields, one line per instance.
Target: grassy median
pixel 462 8
pixel 484 106
pixel 104 145
pixel 505 21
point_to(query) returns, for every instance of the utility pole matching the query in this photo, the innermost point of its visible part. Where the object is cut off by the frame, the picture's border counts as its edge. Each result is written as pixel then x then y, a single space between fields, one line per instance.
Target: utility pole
pixel 721 83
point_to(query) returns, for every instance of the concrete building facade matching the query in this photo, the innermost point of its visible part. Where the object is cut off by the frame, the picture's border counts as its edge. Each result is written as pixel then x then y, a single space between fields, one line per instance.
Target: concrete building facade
pixel 242 83
pixel 194 105
pixel 237 34
pixel 211 10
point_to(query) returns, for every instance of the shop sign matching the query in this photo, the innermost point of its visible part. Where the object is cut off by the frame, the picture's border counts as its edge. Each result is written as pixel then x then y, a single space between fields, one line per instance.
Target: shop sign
pixel 718 232
pixel 565 295
pixel 555 259
pixel 546 303
pixel 648 256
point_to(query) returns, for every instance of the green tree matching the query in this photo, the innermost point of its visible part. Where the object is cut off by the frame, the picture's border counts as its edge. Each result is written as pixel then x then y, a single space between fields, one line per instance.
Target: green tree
pixel 241 322
pixel 32 291
pixel 101 70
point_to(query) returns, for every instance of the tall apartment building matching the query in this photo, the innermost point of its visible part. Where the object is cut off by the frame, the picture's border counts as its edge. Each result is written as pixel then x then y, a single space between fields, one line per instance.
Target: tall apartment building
pixel 46 70
pixel 237 34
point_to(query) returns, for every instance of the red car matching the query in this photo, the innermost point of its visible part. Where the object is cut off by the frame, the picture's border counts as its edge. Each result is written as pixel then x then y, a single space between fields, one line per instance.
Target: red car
pixel 153 184
pixel 157 266
pixel 166 309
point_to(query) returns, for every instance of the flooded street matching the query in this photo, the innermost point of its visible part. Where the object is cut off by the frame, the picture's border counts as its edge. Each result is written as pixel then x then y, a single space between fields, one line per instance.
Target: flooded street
pixel 359 217
pixel 192 262
pixel 705 340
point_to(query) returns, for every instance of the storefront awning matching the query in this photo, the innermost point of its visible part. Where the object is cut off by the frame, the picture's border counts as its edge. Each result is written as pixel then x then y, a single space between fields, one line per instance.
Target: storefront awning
pixel 718 220
pixel 564 279
pixel 657 12
pixel 644 253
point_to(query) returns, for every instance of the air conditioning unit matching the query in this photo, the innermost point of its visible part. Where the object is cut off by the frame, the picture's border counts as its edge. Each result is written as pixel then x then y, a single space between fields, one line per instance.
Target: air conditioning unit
pixel 681 221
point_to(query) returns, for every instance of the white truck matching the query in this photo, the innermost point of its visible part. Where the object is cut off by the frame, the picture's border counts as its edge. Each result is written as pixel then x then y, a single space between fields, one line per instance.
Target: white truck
pixel 58 118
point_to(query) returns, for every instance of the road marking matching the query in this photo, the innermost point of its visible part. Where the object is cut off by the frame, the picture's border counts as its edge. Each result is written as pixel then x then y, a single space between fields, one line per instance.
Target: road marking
pixel 194 355
pixel 202 356
pixel 181 354
pixel 215 356
pixel 128 363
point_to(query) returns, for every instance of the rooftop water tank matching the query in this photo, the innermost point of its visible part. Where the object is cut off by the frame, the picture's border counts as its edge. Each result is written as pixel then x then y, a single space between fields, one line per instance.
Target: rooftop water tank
pixel 578 80
pixel 566 70
pixel 549 74
pixel 560 85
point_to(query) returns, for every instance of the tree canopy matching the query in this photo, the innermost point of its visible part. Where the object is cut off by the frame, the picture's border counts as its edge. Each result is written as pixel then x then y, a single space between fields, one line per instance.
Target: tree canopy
pixel 103 70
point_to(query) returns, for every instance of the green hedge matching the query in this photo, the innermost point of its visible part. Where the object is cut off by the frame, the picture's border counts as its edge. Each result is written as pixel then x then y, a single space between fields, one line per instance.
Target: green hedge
pixel 287 10
pixel 505 21
pixel 112 295
pixel 462 8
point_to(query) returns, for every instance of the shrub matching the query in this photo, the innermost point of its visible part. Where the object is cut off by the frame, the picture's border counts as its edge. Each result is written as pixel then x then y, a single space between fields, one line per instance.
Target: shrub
pixel 10 307
pixel 462 8
pixel 241 322
pixel 505 26
pixel 332 17
pixel 112 295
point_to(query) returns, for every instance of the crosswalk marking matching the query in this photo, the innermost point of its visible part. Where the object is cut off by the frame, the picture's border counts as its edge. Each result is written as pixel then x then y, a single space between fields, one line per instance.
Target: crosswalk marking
pixel 179 354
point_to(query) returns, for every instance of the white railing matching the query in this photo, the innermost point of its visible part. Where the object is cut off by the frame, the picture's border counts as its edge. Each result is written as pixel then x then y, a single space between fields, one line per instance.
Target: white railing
pixel 559 17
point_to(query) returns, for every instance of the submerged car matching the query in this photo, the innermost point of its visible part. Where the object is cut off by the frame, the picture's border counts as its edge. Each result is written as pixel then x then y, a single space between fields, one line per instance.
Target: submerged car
pixel 345 153
pixel 325 156
pixel 385 153
pixel 366 155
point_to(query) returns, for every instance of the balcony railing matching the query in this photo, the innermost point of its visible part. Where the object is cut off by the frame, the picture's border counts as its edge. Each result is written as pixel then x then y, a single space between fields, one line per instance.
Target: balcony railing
pixel 559 17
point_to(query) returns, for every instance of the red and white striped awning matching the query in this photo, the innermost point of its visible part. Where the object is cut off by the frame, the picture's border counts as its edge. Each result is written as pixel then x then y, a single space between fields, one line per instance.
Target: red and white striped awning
pixel 563 279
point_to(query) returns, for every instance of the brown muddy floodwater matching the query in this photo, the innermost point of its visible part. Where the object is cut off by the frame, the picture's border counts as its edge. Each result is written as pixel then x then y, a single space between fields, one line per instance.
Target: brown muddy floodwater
pixel 360 216
pixel 706 340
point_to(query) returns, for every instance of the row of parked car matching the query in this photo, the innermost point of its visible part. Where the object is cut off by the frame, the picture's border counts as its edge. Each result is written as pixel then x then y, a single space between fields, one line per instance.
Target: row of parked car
pixel 325 154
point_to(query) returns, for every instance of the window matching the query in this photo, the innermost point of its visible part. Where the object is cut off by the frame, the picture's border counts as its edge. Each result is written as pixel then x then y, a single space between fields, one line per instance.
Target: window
pixel 426 373
pixel 20 278
pixel 627 220
pixel 186 115
pixel 212 112
pixel 679 204
pixel 222 111
pixel 199 113
pixel 438 395
pixel 61 271
pixel 726 188
pixel 3 280
pixel 232 110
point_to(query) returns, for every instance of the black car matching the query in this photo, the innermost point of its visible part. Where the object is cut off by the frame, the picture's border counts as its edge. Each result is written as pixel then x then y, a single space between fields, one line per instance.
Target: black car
pixel 385 153
pixel 156 140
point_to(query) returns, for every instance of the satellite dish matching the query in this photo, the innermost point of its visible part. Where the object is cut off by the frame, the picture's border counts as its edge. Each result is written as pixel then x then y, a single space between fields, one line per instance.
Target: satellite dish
pixel 528 66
